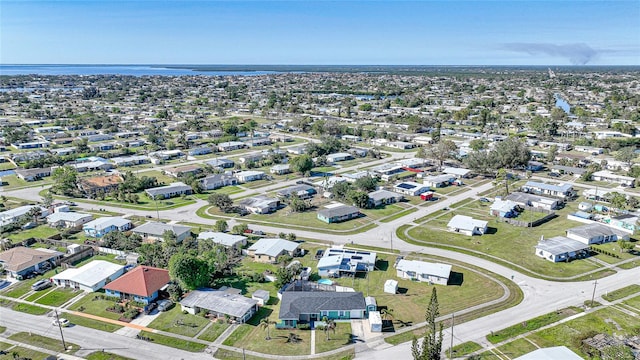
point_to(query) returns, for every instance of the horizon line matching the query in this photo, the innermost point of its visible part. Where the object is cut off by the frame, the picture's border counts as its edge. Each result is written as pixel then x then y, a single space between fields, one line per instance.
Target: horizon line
pixel 256 65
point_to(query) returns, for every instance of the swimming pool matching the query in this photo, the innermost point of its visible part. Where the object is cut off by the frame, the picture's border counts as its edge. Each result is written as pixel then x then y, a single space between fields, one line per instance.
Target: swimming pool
pixel 325 282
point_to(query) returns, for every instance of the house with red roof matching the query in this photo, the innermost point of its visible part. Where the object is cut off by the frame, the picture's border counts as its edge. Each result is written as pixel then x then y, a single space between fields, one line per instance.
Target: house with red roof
pixel 141 284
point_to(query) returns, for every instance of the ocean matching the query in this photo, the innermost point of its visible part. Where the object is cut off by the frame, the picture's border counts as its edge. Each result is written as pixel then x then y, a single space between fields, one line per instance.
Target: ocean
pixel 132 70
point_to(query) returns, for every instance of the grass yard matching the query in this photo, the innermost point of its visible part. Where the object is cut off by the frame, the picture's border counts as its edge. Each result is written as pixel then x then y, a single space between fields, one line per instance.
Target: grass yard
pixel 622 293
pixel 91 304
pixel 58 296
pixel 517 348
pixel 571 333
pixel 40 232
pixel 30 309
pixel 23 353
pixel 254 339
pixel 382 212
pixel 633 303
pixel 464 349
pixel 398 215
pixel 91 323
pixel 342 337
pixel 19 289
pixel 163 179
pixel 174 321
pixel 4 345
pixel 174 342
pixel 308 219
pixel 102 355
pixel 213 331
pixel 12 182
pixel 105 257
pixel 531 325
pixel 44 342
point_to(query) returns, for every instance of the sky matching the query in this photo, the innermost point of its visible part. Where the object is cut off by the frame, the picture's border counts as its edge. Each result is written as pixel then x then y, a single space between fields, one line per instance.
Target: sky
pixel 515 32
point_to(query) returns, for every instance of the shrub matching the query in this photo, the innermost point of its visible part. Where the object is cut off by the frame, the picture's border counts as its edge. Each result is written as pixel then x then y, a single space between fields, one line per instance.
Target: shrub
pixel 303 326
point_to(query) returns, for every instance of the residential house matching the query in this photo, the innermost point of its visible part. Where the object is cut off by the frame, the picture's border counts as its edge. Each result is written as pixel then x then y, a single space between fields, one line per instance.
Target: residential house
pixel 457 172
pixel 302 191
pixel 169 191
pixel 338 213
pixel 21 212
pixel 338 261
pixel 402 145
pixel 102 226
pixel 68 219
pixel 155 231
pixel 216 181
pixel 100 184
pixel 433 273
pixel 268 250
pixel 596 234
pixel 258 142
pixel 438 181
pixel 260 204
pixel 384 197
pixel 299 307
pixel 250 158
pixel 569 170
pixel 503 208
pixel 231 145
pixel 261 296
pixel 200 150
pixel 336 157
pixel 534 166
pixel 561 248
pixel 20 261
pixel 562 191
pixel 222 303
pixel 142 284
pixel 625 222
pixel 608 176
pixel 180 171
pixel 467 225
pixel 221 163
pixel 410 188
pixel 224 239
pixel 122 161
pixel 249 175
pixel 532 200
pixel 33 174
pixel 90 277
pixel 280 169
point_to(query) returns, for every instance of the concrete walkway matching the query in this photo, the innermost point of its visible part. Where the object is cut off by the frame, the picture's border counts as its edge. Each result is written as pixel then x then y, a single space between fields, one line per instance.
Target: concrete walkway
pixel 313 342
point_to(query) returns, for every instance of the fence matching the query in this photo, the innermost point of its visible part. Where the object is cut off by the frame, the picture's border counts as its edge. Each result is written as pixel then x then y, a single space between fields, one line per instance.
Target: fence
pixel 535 223
pixel 105 250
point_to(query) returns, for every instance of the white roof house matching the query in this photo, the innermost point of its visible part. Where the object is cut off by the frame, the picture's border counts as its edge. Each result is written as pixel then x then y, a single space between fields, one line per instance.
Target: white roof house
pixel 596 233
pixel 268 250
pixel 410 188
pixel 560 248
pixel 156 230
pixel 338 260
pixel 467 225
pixel 68 219
pixel 90 277
pixel 228 240
pixel 220 302
pixel 12 215
pixel 608 176
pixel 423 271
pixel 458 172
pixel 103 225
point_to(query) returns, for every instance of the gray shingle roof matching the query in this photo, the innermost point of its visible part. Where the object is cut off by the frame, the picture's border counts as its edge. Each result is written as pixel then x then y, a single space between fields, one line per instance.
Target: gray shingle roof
pixel 295 303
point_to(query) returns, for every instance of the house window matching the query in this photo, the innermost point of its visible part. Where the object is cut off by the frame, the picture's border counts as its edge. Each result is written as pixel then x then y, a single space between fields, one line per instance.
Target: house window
pixel 341 313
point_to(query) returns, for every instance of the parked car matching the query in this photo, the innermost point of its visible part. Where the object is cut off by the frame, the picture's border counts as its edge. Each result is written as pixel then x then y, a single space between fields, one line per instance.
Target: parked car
pixel 61 322
pixel 258 232
pixel 40 285
pixel 484 199
pixel 554 174
pixel 164 305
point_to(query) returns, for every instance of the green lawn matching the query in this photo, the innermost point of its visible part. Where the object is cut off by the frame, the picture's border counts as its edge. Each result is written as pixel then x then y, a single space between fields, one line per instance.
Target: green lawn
pixel 464 349
pixel 40 232
pixel 44 342
pixel 30 309
pixel 633 303
pixel 4 345
pixel 12 182
pixel 91 323
pixel 174 342
pixel 398 215
pixel 213 331
pixel 95 306
pixel 531 325
pixel 254 339
pixel 105 257
pixel 342 337
pixel 58 297
pixel 102 355
pixel 517 348
pixel 308 219
pixel 23 353
pixel 622 293
pixel 175 321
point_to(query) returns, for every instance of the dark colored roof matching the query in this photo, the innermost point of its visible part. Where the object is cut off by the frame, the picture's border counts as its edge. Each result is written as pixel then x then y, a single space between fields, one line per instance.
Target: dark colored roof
pixel 295 303
pixel 338 211
pixel 142 281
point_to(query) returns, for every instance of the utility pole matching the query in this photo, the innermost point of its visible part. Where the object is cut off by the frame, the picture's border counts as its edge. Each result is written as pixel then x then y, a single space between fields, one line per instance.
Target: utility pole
pixel 157 212
pixel 594 292
pixel 453 320
pixel 64 345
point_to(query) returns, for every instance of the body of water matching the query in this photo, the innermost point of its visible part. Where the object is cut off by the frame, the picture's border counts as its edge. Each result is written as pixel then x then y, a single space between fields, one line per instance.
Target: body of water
pixel 562 104
pixel 132 70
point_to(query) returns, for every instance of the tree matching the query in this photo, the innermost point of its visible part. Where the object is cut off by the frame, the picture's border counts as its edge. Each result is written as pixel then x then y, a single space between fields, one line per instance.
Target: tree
pixel 359 198
pixel 422 153
pixel 625 245
pixel 264 323
pixel 64 180
pixel 477 144
pixel 221 226
pixel 618 200
pixel 222 201
pixel 301 164
pixel 189 271
pixel 291 237
pixel 431 345
pixel 626 155
pixel 366 183
pixel 47 198
pixel 330 325
pixel 297 204
pixel 443 150
pixel 552 153
pixel 239 229
pixel 503 177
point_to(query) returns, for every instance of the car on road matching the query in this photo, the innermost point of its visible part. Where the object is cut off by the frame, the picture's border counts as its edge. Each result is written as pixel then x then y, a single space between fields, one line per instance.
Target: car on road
pixel 61 322
pixel 258 232
pixel 164 305
pixel 554 174
pixel 484 199
pixel 40 285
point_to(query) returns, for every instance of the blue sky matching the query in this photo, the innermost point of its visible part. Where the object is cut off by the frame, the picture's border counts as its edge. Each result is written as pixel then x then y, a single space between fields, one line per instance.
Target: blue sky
pixel 321 32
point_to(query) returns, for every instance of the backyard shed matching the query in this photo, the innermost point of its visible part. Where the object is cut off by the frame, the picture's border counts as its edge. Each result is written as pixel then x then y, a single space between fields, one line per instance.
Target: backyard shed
pixel 375 321
pixel 371 304
pixel 262 296
pixel 391 286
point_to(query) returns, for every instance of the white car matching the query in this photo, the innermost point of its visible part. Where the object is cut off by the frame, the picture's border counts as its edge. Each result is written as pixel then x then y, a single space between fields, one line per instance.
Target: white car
pixel 61 322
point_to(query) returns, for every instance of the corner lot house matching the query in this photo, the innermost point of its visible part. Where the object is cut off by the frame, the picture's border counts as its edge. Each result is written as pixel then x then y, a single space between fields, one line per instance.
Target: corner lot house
pixel 221 302
pixel 90 277
pixel 467 225
pixel 561 248
pixel 338 213
pixel 307 306
pixel 384 197
pixel 13 215
pixel 268 250
pixel 432 273
pixel 169 191
pixel 217 181
pixel 596 234
pixel 20 261
pixel 338 261
pixel 102 226
pixel 260 204
pixel 155 231
pixel 141 284
pixel 224 239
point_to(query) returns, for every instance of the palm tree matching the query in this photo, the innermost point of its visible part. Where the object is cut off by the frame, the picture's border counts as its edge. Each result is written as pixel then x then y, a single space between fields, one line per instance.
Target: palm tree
pixel 264 323
pixel 329 325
